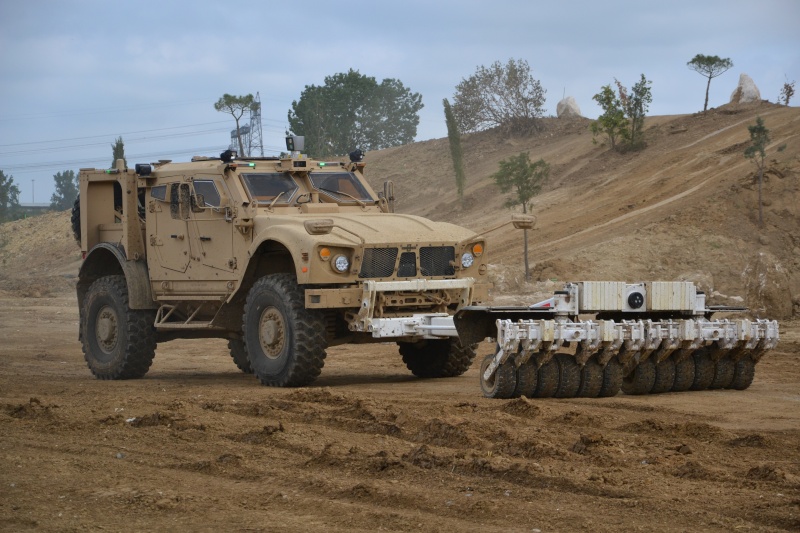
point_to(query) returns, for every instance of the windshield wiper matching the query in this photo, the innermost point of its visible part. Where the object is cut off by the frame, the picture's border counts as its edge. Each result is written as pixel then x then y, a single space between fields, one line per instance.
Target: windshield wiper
pixel 360 202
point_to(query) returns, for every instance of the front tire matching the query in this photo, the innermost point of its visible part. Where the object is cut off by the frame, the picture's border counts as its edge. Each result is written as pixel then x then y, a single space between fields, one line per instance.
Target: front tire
pixel 118 342
pixel 285 342
pixel 437 358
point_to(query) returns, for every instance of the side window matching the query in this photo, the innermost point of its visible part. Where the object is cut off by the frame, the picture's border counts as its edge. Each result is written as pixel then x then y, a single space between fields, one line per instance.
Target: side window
pixel 209 191
pixel 159 193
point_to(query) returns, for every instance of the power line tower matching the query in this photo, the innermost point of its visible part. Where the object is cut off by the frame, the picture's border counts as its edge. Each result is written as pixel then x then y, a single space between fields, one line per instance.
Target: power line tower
pixel 251 133
pixel 255 142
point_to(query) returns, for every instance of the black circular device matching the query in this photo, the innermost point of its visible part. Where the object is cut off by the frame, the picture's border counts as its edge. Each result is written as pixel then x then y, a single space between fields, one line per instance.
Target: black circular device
pixel 635 300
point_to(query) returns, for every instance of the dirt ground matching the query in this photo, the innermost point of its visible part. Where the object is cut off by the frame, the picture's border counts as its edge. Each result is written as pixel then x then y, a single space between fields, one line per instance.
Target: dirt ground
pixel 198 446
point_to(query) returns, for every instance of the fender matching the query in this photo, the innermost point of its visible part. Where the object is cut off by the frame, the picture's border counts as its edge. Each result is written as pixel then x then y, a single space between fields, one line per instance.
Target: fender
pixel 109 259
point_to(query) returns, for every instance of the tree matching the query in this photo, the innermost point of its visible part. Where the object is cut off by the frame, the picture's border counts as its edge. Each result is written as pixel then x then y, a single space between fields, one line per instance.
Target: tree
pixel 118 152
pixel 456 153
pixel 505 96
pixel 526 179
pixel 351 111
pixel 787 91
pixel 757 152
pixel 236 106
pixel 9 196
pixel 710 67
pixel 612 122
pixel 635 106
pixel 66 190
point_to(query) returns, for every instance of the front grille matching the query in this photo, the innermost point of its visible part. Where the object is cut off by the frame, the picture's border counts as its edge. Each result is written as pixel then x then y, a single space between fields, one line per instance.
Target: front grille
pixel 378 263
pixel 436 261
pixel 408 265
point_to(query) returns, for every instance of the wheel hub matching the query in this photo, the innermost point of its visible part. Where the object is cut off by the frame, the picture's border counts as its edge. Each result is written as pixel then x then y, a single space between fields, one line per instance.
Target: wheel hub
pixel 271 333
pixel 106 329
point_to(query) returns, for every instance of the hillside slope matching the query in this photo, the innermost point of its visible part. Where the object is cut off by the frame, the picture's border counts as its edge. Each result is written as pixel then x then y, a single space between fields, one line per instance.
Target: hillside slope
pixel 683 208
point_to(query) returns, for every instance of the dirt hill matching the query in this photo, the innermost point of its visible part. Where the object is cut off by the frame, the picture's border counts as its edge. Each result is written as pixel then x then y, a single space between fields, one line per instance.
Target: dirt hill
pixel 683 208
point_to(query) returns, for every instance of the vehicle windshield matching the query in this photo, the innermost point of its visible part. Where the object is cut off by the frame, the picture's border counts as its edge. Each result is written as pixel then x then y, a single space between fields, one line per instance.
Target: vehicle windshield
pixel 342 187
pixel 265 188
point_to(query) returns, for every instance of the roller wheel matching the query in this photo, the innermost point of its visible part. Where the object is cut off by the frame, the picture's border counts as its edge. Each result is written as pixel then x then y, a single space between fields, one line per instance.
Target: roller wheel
pixel 665 376
pixel 569 376
pixel 704 369
pixel 743 374
pixel 723 374
pixel 239 355
pixel 502 383
pixel 527 376
pixel 591 380
pixel 641 380
pixel 118 342
pixel 547 382
pixel 285 342
pixel 440 358
pixel 684 375
pixel 612 379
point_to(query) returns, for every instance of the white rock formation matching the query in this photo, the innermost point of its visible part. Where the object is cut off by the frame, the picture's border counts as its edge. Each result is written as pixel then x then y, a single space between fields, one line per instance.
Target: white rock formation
pixel 568 108
pixel 746 91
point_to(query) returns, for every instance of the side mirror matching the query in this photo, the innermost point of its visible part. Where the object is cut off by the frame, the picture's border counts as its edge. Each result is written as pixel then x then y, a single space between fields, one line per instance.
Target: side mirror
pixel 318 227
pixel 523 221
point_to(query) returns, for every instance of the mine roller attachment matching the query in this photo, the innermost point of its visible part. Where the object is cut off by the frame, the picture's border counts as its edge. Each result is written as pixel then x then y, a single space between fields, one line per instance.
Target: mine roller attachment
pixel 644 338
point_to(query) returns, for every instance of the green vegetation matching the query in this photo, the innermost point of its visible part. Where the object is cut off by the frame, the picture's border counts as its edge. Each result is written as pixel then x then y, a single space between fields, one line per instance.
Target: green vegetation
pixel 456 152
pixel 352 111
pixel 66 190
pixel 505 96
pixel 622 120
pixel 526 179
pixel 710 67
pixel 9 197
pixel 236 106
pixel 117 152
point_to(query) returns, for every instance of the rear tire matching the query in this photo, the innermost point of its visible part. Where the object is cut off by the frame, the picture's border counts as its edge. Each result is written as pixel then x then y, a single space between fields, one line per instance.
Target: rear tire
pixel 641 380
pixel 439 358
pixel 723 374
pixel 704 369
pixel 239 355
pixel 569 376
pixel 591 380
pixel 684 375
pixel 527 377
pixel 665 376
pixel 547 380
pixel 118 342
pixel 744 372
pixel 502 384
pixel 612 379
pixel 285 342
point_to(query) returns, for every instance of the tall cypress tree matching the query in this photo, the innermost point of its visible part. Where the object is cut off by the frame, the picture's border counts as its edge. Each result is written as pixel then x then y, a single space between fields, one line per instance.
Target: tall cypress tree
pixel 456 153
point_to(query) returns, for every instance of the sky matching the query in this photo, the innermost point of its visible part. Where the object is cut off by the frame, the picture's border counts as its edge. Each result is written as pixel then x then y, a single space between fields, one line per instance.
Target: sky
pixel 77 74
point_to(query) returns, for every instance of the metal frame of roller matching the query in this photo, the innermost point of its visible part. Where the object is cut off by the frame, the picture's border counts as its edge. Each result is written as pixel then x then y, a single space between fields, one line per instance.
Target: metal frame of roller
pixel 644 338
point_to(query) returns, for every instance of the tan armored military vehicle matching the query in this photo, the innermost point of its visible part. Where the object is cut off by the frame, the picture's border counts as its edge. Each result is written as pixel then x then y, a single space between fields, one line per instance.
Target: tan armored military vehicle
pixel 287 256
pixel 281 256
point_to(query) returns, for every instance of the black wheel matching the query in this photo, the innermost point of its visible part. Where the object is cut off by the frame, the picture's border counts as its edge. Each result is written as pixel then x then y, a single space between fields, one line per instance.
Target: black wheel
pixel 591 380
pixel 239 355
pixel 612 379
pixel 684 375
pixel 569 376
pixel 547 380
pixel 665 376
pixel 118 343
pixel 641 380
pixel 527 376
pixel 440 358
pixel 502 383
pixel 723 374
pixel 704 369
pixel 75 219
pixel 744 372
pixel 285 342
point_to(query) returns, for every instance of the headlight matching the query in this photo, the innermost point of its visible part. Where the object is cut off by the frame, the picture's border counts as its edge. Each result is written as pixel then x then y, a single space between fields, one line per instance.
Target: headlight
pixel 467 259
pixel 340 264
